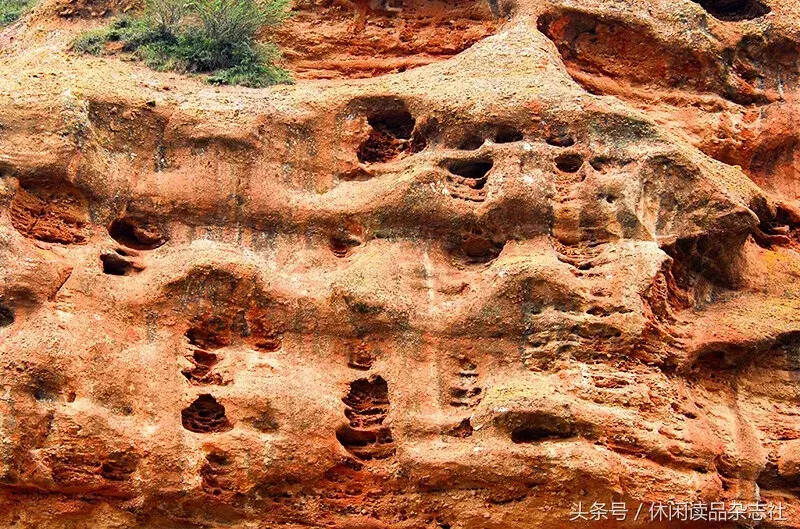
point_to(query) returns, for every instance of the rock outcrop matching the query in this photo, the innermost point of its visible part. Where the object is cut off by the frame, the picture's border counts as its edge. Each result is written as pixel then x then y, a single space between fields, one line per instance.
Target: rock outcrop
pixel 467 272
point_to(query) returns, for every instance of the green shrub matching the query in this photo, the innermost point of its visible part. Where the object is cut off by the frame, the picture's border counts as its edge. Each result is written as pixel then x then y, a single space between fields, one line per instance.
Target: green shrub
pixel 229 20
pixel 137 32
pixel 203 36
pixel 227 34
pixel 166 15
pixel 132 32
pixel 93 41
pixel 11 10
pixel 256 71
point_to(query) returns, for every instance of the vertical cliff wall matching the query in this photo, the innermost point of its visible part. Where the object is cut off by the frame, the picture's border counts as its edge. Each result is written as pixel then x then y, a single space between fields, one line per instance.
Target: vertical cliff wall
pixel 467 272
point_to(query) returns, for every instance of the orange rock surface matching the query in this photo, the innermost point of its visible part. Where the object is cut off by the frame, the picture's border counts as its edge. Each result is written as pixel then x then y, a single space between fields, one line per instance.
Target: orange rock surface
pixel 467 272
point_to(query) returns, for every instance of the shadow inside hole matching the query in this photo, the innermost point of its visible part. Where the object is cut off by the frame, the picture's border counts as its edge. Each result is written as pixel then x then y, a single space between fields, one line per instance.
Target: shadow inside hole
pixel 341 246
pixel 205 415
pixel 116 265
pixel 535 434
pixel 506 134
pixel 601 163
pixel 472 169
pixel 532 427
pixel 366 444
pixel 734 10
pixel 6 316
pixel 392 134
pixel 44 386
pixel 569 163
pixel 136 233
pixel 471 142
pixel 396 123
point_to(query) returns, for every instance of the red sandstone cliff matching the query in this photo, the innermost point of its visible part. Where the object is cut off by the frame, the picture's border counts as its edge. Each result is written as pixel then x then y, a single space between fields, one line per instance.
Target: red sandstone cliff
pixel 465 273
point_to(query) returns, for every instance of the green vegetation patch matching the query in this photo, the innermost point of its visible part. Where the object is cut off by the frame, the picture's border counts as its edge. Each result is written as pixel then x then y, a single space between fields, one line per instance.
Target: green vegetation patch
pixel 11 10
pixel 217 37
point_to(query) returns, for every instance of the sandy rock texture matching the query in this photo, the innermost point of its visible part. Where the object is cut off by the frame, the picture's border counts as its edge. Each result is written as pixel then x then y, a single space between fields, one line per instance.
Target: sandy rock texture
pixel 468 271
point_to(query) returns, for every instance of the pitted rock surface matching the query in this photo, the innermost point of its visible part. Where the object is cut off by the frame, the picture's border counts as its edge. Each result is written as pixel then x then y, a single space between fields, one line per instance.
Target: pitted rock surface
pixel 466 272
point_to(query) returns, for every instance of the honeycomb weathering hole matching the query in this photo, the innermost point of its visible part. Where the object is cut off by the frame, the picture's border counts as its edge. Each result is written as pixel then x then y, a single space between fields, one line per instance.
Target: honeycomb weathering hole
pixel 204 358
pixel 215 474
pixel 471 169
pixel 569 163
pixel 366 394
pixel 205 415
pixel 467 178
pixel 214 329
pixel 361 358
pixel 734 10
pixel 218 459
pixel 391 134
pixel 534 434
pixel 45 385
pixel 533 427
pixel 365 436
pixel 136 233
pixel 507 134
pixel 6 316
pixel 115 264
pixel 341 246
pixel 367 444
pixel 262 329
pixel 463 429
pixel 399 124
pixel 465 392
pixel 200 373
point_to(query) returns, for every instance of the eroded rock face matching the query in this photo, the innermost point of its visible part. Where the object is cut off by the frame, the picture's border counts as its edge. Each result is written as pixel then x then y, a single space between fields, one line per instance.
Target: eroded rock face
pixel 557 266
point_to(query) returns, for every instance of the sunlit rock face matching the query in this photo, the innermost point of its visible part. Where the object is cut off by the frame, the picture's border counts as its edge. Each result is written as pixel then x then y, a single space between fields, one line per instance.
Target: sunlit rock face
pixel 467 272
